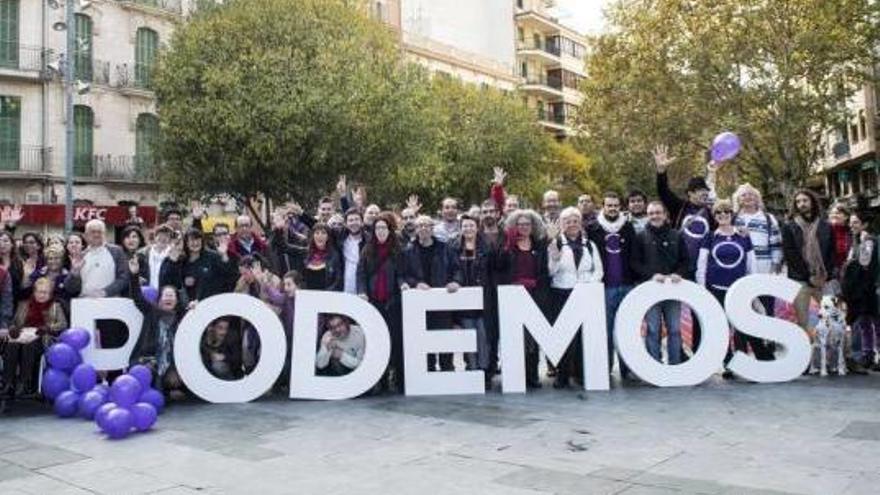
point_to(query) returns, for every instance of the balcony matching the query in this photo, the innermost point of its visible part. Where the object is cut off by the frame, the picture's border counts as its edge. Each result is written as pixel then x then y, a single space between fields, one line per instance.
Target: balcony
pixel 547 52
pixel 24 161
pixel 21 61
pixel 118 168
pixel 542 83
pixel 93 71
pixel 134 79
pixel 172 8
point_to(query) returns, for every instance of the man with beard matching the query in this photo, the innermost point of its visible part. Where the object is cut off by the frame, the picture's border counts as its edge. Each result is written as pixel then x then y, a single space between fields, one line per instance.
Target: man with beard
pixel 448 228
pixel 550 206
pixel 692 217
pixel 492 237
pixel 428 264
pixel 637 209
pixel 614 237
pixel 587 207
pixel 808 250
pixel 349 240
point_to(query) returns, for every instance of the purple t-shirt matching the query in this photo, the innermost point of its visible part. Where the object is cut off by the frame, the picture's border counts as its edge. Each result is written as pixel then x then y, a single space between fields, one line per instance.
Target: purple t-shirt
pixel 728 259
pixel 613 260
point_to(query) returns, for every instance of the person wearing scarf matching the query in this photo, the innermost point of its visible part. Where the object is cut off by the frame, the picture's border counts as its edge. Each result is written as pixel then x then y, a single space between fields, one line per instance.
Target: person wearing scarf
pixel 572 259
pixel 808 250
pixel 523 261
pixel 614 235
pixel 37 324
pixel 380 276
pixel 322 267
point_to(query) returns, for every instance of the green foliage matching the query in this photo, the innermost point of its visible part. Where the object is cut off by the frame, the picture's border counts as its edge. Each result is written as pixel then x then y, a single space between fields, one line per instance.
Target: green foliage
pixel 279 97
pixel 776 72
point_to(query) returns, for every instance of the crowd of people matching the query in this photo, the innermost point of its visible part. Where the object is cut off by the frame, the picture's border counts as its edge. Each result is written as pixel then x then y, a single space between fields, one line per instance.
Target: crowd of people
pixel 352 246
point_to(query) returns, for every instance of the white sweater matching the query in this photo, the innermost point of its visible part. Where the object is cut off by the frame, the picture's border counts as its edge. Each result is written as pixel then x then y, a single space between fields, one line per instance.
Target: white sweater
pixel 352 350
pixel 563 272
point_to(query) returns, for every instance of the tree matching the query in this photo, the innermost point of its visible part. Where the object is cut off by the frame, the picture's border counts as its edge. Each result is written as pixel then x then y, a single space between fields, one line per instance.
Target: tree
pixel 470 131
pixel 278 97
pixel 776 72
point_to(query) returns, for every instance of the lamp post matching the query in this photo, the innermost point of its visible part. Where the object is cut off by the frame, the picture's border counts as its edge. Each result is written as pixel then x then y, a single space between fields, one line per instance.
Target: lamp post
pixel 70 7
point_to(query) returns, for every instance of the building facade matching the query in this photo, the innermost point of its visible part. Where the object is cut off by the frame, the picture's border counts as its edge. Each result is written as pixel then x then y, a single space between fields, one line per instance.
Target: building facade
pixel 850 169
pixel 114 117
pixel 550 61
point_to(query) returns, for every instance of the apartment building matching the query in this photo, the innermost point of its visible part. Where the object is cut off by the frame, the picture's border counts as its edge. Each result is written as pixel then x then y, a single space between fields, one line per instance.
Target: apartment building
pixel 550 61
pixel 114 116
pixel 850 169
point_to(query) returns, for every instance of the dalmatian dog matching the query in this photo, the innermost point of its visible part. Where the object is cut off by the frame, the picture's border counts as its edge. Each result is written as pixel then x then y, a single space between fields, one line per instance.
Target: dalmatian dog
pixel 830 336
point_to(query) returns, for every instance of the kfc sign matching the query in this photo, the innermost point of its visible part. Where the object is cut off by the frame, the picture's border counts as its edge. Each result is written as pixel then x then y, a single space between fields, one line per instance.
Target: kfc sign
pixel 111 215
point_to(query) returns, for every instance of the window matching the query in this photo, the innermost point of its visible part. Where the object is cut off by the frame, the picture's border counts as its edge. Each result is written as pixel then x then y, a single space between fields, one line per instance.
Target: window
pixel 520 34
pixel 9 33
pixel 524 69
pixel 145 55
pixel 83 146
pixel 10 132
pixel 82 53
pixel 863 126
pixel 146 134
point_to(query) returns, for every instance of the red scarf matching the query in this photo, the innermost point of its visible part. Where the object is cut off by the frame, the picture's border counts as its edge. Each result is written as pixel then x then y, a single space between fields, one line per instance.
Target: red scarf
pixel 317 256
pixel 841 244
pixel 380 290
pixel 36 313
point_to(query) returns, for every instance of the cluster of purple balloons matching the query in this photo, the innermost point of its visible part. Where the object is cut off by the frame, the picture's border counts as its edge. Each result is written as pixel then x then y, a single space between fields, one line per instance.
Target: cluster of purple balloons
pixel 129 404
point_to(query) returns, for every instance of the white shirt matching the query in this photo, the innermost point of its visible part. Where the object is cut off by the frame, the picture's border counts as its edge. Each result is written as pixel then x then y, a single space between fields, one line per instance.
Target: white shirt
pixel 98 271
pixel 156 258
pixel 351 252
pixel 352 350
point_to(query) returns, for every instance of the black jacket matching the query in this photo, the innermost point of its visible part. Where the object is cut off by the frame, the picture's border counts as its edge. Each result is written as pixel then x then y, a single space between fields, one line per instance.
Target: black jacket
pixel 793 247
pixel 504 265
pixel 444 265
pixel 211 273
pixel 627 233
pixel 147 346
pixel 659 251
pixel 368 276
pixel 478 273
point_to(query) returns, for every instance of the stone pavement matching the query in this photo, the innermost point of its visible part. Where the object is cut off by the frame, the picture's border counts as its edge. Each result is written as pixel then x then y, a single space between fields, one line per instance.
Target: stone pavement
pixel 812 436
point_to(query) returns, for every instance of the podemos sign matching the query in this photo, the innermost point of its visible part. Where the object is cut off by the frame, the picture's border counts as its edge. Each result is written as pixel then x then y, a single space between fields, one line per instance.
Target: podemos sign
pixel 584 312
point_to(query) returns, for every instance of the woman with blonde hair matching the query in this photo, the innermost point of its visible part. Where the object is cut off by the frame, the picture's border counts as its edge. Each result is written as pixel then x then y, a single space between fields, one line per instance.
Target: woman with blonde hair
pixel 764 232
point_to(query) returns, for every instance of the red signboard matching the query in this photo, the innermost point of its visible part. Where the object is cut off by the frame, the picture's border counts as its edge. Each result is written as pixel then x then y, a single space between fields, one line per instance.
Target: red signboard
pixel 111 215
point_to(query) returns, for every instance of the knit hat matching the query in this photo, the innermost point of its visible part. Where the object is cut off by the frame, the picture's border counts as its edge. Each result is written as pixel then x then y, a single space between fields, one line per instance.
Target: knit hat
pixel 697 183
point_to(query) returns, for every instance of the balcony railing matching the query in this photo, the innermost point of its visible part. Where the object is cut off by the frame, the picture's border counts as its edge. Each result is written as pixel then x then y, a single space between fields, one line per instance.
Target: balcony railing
pixel 542 45
pixel 134 76
pixel 550 114
pixel 28 159
pixel 135 168
pixel 171 6
pixel 93 71
pixel 14 55
pixel 554 82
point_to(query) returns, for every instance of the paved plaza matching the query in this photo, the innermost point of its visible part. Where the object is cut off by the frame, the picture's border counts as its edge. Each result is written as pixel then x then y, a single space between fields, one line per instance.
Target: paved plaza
pixel 811 436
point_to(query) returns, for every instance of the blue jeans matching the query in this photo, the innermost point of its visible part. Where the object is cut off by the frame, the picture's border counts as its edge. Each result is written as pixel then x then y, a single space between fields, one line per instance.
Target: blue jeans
pixel 670 312
pixel 477 360
pixel 613 297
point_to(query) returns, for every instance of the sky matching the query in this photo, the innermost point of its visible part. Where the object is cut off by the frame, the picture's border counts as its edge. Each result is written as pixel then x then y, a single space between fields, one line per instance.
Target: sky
pixel 582 15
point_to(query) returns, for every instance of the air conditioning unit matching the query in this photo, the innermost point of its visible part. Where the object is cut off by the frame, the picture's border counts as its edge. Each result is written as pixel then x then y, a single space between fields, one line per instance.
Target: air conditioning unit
pixel 33 198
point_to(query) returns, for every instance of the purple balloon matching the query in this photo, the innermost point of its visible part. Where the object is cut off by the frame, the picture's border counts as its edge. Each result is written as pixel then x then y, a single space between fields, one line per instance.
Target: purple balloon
pixel 78 338
pixel 101 414
pixel 103 389
pixel 118 423
pixel 154 398
pixel 89 404
pixel 125 391
pixel 63 357
pixel 144 416
pixel 150 294
pixel 66 404
pixel 84 378
pixel 54 382
pixel 143 375
pixel 725 147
